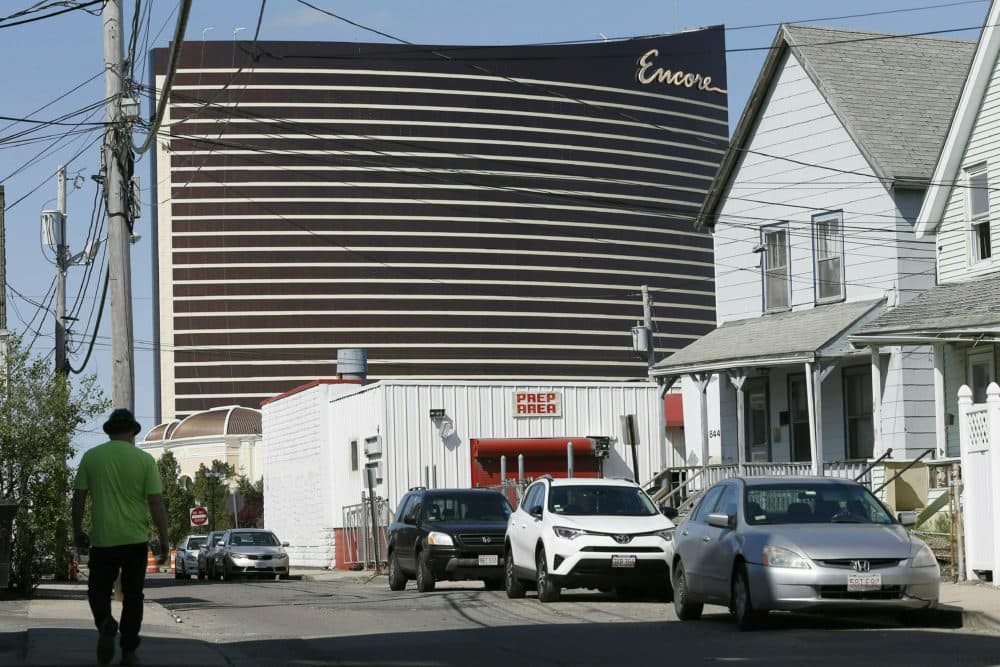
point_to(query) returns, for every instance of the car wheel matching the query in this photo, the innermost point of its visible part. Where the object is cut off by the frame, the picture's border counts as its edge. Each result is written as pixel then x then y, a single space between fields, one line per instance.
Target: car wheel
pixel 397 580
pixel 179 571
pixel 286 575
pixel 547 590
pixel 683 607
pixel 425 578
pixel 513 585
pixel 747 618
pixel 227 574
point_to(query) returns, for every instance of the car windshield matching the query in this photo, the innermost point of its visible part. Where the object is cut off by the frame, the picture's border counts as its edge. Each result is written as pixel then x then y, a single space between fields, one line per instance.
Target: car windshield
pixel 196 542
pixel 813 503
pixel 467 507
pixel 582 500
pixel 253 539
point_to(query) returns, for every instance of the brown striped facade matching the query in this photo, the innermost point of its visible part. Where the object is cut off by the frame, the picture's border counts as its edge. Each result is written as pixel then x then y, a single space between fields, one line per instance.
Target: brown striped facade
pixel 461 212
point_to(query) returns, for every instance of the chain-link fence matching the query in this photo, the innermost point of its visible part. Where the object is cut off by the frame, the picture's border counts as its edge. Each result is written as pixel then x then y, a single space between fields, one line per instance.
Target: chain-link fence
pixel 512 490
pixel 362 547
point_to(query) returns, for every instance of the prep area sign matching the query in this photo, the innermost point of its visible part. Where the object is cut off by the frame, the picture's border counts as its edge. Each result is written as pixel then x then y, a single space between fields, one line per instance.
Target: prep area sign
pixel 538 404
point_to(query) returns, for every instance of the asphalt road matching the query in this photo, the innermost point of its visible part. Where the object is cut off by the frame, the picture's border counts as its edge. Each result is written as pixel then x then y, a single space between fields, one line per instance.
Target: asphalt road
pixel 355 624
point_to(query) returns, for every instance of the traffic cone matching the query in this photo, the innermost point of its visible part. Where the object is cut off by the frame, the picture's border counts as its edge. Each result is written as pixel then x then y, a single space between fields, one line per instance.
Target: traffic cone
pixel 151 566
pixel 173 561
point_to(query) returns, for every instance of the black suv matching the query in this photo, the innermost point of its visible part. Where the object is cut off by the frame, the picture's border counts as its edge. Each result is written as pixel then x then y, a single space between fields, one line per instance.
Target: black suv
pixel 448 534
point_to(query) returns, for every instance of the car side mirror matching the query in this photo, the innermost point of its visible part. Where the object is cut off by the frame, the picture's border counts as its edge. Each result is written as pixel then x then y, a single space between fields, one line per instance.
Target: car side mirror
pixel 670 512
pixel 719 520
pixel 285 544
pixel 536 511
pixel 907 518
pixel 409 521
pixel 219 543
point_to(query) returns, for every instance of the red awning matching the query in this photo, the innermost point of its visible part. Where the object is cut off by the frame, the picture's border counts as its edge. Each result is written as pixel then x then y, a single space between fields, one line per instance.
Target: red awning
pixel 511 447
pixel 673 410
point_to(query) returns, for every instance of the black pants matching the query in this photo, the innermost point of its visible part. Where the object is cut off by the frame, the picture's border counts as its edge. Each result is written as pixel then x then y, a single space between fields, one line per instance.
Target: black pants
pixel 105 563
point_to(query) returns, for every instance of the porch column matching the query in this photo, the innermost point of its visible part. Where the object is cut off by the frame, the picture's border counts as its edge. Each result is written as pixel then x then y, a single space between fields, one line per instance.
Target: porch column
pixel 701 380
pixel 940 432
pixel 813 389
pixel 876 401
pixel 739 377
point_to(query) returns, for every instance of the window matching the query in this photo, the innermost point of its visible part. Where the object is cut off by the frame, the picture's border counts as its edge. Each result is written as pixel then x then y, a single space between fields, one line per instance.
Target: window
pixel 858 412
pixel 828 239
pixel 707 504
pixel 730 500
pixel 600 501
pixel 982 371
pixel 354 454
pixel 412 515
pixel 532 498
pixel 776 268
pixel 978 197
pixel 401 510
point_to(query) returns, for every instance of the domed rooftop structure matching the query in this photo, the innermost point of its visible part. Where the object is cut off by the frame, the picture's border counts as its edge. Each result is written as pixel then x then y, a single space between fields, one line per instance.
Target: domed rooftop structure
pixel 161 432
pixel 221 421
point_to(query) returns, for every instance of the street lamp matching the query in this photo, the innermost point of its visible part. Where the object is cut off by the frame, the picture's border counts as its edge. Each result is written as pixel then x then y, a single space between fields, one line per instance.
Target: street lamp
pixel 213 478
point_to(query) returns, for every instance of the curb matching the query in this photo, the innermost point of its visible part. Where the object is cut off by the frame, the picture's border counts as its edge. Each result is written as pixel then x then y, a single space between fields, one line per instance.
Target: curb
pixel 978 620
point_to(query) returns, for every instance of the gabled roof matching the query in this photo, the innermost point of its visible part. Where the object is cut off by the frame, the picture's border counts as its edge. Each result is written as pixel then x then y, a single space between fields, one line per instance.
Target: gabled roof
pixel 782 338
pixel 969 103
pixel 894 94
pixel 951 310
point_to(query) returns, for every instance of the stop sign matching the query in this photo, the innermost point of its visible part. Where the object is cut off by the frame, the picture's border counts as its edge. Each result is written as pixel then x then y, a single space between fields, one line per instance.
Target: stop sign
pixel 198 515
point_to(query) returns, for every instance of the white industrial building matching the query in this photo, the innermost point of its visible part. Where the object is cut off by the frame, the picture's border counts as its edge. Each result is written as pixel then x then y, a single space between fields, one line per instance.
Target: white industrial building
pixel 320 437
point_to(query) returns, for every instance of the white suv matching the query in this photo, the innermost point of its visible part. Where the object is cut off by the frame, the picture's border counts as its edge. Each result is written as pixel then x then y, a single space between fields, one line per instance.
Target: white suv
pixel 593 533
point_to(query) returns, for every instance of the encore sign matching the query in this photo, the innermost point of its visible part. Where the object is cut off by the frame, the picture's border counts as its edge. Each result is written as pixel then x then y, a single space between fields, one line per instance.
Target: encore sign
pixel 648 73
pixel 537 404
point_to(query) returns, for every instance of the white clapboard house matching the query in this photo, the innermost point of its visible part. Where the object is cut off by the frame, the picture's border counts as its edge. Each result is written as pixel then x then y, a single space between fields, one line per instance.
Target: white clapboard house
pixel 813 214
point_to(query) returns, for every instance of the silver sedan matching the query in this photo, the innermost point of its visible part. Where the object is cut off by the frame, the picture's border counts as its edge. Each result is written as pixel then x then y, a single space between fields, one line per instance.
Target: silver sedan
pixel 758 544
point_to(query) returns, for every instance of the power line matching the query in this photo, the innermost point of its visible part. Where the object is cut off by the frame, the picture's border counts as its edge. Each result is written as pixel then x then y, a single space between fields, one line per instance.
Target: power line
pixel 175 53
pixel 4 23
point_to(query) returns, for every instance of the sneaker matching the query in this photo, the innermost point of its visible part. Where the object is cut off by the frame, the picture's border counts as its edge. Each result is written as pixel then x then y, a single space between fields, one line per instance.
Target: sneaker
pixel 106 640
pixel 130 659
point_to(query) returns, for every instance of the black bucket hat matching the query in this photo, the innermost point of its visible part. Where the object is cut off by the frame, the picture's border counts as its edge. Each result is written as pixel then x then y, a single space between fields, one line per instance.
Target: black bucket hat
pixel 121 421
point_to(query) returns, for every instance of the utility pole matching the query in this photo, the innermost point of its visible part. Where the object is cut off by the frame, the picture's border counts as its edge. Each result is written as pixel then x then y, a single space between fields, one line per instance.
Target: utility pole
pixel 647 320
pixel 62 252
pixel 117 153
pixel 3 270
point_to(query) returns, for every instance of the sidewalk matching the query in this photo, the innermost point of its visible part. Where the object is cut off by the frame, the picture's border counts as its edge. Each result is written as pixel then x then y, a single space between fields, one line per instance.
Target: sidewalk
pixel 322 574
pixel 978 602
pixel 55 628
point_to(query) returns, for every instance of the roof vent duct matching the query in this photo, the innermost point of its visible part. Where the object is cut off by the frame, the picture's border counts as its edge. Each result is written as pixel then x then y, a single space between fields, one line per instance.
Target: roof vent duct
pixel 352 364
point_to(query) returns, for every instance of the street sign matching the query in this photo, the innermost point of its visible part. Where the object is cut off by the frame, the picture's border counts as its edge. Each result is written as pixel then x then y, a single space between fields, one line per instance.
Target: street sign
pixel 198 516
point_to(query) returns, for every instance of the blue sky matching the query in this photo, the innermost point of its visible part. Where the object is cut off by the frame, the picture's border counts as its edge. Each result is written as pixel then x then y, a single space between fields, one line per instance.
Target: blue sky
pixel 42 60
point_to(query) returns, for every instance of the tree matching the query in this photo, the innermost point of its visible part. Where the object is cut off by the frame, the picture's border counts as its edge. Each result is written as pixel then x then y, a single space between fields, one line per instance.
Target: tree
pixel 252 514
pixel 211 486
pixel 40 411
pixel 176 498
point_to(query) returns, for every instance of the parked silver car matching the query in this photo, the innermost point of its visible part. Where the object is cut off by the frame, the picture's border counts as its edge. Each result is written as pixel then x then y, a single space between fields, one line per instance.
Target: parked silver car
pixel 251 552
pixel 186 563
pixel 758 544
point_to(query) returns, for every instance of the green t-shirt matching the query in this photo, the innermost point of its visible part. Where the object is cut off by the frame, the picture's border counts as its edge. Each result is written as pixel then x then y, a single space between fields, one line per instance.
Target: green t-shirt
pixel 119 477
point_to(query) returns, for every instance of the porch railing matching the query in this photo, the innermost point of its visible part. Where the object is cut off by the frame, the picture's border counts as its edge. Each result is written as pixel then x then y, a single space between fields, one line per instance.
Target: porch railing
pixel 679 483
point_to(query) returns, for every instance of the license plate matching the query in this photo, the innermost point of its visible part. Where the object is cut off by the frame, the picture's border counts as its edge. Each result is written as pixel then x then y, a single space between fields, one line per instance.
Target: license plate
pixel 864 582
pixel 489 560
pixel 623 561
pixel 262 566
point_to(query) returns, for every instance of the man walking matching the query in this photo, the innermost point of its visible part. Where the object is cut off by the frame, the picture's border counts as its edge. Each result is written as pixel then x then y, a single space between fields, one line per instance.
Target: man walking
pixel 122 482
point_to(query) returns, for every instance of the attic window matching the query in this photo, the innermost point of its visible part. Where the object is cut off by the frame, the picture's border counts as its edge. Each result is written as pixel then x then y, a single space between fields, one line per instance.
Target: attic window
pixel 978 198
